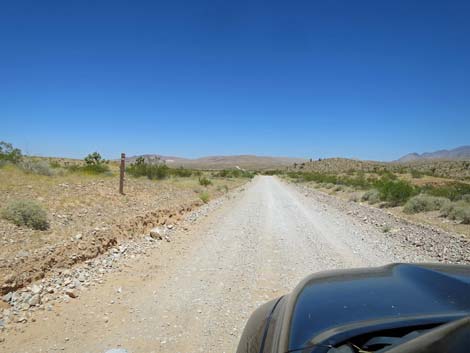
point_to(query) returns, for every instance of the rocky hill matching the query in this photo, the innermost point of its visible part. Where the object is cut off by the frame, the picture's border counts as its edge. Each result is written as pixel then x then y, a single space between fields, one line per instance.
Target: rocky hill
pixel 459 153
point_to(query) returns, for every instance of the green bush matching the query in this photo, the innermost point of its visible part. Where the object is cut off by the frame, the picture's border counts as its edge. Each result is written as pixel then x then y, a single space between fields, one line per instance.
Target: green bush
pixel 9 154
pixel 395 192
pixel 95 168
pixel 372 196
pixel 459 210
pixel 425 203
pixel 94 164
pixel 233 173
pixel 152 171
pixel 94 158
pixel 37 167
pixel 26 213
pixel 181 172
pixel 204 196
pixel 416 174
pixel 204 181
pixel 452 191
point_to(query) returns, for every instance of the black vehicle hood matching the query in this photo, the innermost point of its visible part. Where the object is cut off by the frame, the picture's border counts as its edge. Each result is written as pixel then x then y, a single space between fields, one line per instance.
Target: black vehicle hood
pixel 324 302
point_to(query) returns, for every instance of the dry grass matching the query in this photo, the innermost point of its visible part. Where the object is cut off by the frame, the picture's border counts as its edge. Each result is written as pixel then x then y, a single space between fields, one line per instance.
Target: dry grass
pixel 78 203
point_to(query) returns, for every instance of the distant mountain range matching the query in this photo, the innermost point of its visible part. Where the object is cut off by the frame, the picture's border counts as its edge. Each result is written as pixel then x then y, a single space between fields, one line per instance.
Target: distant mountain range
pixel 459 153
pixel 223 162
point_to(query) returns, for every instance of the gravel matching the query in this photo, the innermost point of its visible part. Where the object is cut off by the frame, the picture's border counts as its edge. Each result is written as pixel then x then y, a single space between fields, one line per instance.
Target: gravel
pixel 196 292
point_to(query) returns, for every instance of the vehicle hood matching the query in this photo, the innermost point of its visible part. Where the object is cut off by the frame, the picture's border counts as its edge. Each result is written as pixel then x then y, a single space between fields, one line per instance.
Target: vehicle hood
pixel 325 302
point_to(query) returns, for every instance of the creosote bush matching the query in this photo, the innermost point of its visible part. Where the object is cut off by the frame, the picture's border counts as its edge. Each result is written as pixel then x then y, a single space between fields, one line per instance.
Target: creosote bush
pixel 425 203
pixel 26 213
pixel 395 192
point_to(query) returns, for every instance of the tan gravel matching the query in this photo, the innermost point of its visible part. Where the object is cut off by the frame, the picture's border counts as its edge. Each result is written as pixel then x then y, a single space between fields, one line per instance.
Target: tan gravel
pixel 195 293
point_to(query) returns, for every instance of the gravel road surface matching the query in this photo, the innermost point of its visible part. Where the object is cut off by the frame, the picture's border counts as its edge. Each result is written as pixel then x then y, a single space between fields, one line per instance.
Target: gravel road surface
pixel 195 293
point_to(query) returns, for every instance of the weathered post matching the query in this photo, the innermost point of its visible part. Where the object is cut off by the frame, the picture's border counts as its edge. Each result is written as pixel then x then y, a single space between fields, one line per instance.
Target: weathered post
pixel 121 174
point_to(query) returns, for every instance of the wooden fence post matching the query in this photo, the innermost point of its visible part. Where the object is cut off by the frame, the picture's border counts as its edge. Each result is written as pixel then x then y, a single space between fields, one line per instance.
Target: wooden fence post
pixel 121 174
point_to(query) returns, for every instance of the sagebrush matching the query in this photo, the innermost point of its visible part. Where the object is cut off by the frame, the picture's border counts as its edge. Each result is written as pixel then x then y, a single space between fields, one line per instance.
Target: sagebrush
pixel 26 213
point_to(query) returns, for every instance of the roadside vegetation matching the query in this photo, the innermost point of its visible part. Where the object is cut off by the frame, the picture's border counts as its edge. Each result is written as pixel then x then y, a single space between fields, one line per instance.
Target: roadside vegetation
pixel 26 213
pixel 408 190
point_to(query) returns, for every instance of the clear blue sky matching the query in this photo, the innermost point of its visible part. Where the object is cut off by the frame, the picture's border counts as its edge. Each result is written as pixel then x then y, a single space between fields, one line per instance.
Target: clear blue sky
pixel 363 79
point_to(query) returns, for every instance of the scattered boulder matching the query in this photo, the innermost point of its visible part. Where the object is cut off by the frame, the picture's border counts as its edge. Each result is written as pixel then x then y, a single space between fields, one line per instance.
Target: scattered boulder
pixel 34 300
pixel 72 293
pixel 156 233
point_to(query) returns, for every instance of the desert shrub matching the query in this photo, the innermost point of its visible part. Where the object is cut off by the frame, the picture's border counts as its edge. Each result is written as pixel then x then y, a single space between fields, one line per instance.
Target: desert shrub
pixel 338 188
pixel 425 203
pixel 459 210
pixel 465 198
pixel 355 197
pixel 204 181
pixel 233 173
pixel 94 164
pixel 37 167
pixel 181 172
pixel 223 188
pixel 26 213
pixel 395 192
pixel 329 185
pixel 152 171
pixel 9 154
pixel 452 191
pixel 55 164
pixel 204 196
pixel 416 174
pixel 95 168
pixel 372 196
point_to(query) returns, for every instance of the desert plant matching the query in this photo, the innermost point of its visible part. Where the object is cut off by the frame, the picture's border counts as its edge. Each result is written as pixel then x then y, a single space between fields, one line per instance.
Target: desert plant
pixel 152 171
pixel 9 153
pixel 204 181
pixel 223 188
pixel 181 172
pixel 425 203
pixel 416 174
pixel 355 197
pixel 94 158
pixel 26 213
pixel 453 191
pixel 37 167
pixel 95 168
pixel 459 210
pixel 204 196
pixel 94 164
pixel 394 192
pixel 372 196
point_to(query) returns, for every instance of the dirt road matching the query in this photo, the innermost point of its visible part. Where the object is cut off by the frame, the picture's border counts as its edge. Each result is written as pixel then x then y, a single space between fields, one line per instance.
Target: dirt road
pixel 195 293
